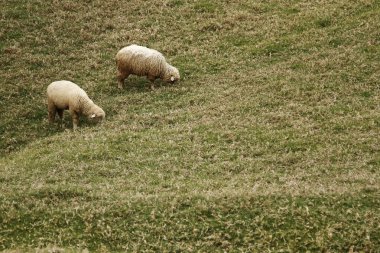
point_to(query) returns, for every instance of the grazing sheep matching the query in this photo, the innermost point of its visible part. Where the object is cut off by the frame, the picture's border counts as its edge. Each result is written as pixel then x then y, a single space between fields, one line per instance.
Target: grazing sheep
pixel 143 61
pixel 66 95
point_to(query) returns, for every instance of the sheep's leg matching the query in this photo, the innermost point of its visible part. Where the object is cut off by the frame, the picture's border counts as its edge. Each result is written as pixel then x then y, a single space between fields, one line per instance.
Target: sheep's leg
pixel 121 76
pixel 152 79
pixel 51 111
pixel 75 117
pixel 60 114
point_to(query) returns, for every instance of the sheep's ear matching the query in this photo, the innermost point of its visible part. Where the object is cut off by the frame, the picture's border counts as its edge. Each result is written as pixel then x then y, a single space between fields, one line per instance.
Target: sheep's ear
pixel 93 116
pixel 172 78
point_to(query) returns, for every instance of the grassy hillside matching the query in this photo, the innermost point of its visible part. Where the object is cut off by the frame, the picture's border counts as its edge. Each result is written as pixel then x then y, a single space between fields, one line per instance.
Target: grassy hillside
pixel 269 143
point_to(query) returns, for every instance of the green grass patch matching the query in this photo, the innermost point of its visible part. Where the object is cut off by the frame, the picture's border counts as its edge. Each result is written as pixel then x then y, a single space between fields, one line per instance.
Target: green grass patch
pixel 323 22
pixel 205 6
pixel 279 223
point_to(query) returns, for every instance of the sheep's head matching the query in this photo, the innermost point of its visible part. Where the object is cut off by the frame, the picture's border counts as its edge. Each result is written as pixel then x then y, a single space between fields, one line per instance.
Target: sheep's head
pixel 172 75
pixel 97 114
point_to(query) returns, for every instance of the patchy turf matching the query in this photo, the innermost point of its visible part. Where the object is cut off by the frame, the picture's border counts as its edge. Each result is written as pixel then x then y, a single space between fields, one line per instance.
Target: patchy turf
pixel 270 142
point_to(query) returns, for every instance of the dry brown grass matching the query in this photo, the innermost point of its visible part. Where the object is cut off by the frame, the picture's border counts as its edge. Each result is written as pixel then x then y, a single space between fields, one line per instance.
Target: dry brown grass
pixel 270 141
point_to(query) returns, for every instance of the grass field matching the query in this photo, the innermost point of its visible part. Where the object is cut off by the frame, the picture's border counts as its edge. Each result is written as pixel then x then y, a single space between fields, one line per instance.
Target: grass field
pixel 269 143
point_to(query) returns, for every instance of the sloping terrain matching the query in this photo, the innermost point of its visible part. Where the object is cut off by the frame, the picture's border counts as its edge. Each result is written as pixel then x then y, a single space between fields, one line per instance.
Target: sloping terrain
pixel 269 143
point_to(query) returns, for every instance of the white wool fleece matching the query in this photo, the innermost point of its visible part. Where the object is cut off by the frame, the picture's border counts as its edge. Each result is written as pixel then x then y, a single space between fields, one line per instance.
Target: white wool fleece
pixel 143 61
pixel 66 95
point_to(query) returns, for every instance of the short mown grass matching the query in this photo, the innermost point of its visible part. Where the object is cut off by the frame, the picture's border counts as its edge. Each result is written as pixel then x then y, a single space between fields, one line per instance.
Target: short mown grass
pixel 269 143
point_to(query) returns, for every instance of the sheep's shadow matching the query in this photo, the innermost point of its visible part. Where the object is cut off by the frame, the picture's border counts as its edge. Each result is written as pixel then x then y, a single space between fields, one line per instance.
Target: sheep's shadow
pixel 137 84
pixel 18 132
pixel 67 123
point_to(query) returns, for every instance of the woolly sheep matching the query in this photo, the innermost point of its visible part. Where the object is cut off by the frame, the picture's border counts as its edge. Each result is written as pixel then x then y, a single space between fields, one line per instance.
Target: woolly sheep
pixel 63 95
pixel 143 61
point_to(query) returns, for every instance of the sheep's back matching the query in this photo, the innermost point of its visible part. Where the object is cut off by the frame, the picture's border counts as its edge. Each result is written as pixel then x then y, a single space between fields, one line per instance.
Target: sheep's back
pixel 141 60
pixel 65 93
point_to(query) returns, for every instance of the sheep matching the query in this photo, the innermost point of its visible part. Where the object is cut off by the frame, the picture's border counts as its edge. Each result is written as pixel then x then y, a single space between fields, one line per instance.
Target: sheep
pixel 143 61
pixel 66 95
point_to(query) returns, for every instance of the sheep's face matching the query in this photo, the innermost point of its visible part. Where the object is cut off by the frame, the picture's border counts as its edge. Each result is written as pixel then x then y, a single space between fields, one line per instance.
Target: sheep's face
pixel 172 75
pixel 97 115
